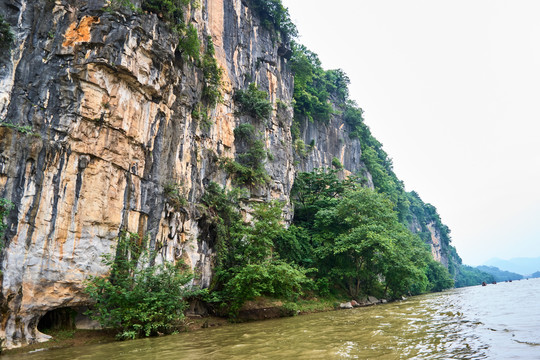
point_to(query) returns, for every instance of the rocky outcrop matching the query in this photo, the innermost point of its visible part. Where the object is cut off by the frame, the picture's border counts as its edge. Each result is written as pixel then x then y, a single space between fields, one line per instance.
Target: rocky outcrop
pixel 109 101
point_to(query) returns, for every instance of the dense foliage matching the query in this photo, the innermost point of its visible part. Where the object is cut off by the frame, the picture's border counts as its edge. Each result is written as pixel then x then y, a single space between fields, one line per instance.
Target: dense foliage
pixel 469 276
pixel 138 298
pixel 212 74
pixel 275 17
pixel 313 85
pixel 353 237
pixel 246 265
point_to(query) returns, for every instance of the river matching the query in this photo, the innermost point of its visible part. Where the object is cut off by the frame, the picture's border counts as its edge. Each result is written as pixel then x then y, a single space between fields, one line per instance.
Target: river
pixel 493 322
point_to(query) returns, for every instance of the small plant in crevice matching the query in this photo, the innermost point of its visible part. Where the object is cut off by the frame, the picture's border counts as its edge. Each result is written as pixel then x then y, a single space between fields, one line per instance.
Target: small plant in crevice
pixel 200 114
pixel 174 195
pixel 253 102
pixel 5 208
pixel 300 148
pixel 6 35
pixel 336 163
pixel 212 75
pixel 116 5
pixel 23 129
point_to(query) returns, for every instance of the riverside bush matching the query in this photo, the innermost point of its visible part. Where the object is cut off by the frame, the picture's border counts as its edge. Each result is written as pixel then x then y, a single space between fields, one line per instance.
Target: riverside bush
pixel 137 298
pixel 246 265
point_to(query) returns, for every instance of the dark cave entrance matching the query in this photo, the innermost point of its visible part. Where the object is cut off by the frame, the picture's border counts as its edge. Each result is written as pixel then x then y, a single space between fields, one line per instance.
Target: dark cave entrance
pixel 58 319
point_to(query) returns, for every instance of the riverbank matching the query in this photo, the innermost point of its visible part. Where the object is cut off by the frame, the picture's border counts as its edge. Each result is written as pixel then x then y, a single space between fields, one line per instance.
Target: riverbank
pixel 256 310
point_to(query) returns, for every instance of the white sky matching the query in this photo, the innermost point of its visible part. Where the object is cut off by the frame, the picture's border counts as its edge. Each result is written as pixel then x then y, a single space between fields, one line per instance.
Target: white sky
pixel 452 90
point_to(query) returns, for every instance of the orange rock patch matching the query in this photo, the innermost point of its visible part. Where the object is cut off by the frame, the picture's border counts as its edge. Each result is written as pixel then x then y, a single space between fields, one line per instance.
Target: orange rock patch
pixel 78 33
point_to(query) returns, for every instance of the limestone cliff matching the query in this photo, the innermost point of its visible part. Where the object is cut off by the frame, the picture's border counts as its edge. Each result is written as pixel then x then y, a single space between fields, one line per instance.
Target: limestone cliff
pixel 109 102
pixel 97 110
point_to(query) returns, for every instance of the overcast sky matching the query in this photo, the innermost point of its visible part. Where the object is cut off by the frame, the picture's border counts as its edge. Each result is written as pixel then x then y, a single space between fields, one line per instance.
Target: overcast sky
pixel 452 90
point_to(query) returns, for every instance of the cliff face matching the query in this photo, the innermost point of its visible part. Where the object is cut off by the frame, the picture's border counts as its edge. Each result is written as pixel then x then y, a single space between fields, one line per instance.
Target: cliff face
pixel 109 101
pixel 100 106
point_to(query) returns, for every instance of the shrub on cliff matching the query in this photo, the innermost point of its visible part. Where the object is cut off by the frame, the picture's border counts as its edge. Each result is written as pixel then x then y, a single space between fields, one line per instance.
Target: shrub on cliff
pixel 135 299
pixel 5 208
pixel 274 16
pixel 248 168
pixel 6 35
pixel 253 102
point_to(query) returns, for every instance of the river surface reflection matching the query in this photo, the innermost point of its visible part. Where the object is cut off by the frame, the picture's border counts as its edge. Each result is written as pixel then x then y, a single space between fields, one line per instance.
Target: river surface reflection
pixel 494 322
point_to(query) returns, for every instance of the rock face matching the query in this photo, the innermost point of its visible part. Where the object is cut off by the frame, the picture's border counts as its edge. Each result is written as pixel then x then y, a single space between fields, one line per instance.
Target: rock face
pixel 101 106
pixel 109 101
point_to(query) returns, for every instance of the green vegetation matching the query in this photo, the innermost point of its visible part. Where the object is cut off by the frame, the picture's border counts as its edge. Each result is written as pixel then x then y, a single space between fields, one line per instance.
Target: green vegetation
pixel 170 10
pixel 6 35
pixel 5 207
pixel 246 265
pixel 174 195
pixel 190 45
pixel 23 129
pixel 469 276
pixel 318 94
pixel 336 163
pixel 352 237
pixel 274 17
pixel 116 5
pixel 500 275
pixel 212 75
pixel 313 86
pixel 253 102
pixel 248 168
pixel 138 298
pixel 200 114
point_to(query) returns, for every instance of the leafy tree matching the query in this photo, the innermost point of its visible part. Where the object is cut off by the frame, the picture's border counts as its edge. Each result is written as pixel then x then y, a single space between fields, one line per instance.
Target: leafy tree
pixel 212 74
pixel 438 276
pixel 169 10
pixel 189 43
pixel 135 298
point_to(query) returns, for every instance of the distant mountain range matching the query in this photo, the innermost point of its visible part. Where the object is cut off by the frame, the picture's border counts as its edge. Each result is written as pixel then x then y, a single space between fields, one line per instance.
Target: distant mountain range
pixel 500 275
pixel 523 266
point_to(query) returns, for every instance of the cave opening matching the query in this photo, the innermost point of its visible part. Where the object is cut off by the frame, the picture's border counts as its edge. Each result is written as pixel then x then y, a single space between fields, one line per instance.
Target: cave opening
pixel 58 319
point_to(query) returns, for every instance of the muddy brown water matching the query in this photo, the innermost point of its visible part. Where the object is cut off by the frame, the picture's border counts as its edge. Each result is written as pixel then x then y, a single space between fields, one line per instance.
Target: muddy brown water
pixel 494 322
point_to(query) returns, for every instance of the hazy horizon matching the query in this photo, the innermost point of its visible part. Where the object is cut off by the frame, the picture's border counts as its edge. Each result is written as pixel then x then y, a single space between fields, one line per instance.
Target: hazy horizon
pixel 451 90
